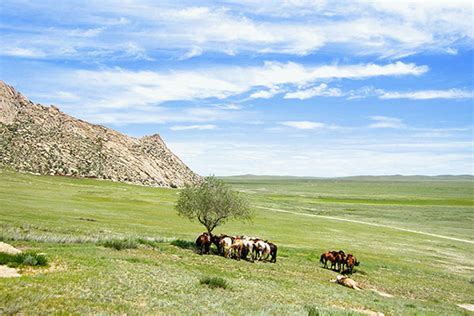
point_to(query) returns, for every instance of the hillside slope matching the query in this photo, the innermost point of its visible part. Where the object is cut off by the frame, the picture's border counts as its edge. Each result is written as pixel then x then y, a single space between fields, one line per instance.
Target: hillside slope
pixel 43 140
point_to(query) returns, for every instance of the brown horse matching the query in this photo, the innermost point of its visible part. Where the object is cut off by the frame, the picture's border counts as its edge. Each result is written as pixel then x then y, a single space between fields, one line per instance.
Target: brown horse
pixel 325 257
pixel 351 261
pixel 336 258
pixel 203 243
pixel 340 259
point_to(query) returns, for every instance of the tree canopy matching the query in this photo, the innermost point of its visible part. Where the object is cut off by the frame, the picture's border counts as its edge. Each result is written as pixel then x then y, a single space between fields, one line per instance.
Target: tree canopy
pixel 212 203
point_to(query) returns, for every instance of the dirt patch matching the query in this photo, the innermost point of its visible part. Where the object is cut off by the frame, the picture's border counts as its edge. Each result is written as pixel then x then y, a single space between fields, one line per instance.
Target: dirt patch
pixel 52 267
pixel 7 272
pixel 469 307
pixel 381 293
pixel 8 249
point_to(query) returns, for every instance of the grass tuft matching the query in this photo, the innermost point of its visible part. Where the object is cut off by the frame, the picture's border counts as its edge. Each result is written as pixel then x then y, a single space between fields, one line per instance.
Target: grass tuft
pixel 120 244
pixel 214 282
pixel 23 259
pixel 185 244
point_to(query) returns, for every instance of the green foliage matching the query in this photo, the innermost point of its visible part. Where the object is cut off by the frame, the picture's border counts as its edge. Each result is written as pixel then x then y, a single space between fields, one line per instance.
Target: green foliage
pixel 212 203
pixel 120 244
pixel 185 244
pixel 214 282
pixel 23 259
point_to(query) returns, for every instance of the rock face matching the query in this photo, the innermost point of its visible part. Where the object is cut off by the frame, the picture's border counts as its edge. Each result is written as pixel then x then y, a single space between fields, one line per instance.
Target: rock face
pixel 43 140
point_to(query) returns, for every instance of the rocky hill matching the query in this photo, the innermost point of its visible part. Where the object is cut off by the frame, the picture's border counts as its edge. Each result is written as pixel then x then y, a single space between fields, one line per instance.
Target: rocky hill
pixel 43 140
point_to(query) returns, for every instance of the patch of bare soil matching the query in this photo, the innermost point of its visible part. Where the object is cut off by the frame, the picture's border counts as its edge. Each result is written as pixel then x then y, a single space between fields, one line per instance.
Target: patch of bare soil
pixel 7 272
pixel 469 307
pixel 381 293
pixel 8 248
pixel 52 267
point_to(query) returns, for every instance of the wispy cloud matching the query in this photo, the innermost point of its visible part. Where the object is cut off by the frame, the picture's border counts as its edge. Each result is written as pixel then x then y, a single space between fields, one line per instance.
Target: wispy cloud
pixel 192 127
pixel 369 91
pixel 386 122
pixel 303 124
pixel 383 28
pixel 122 89
pixel 428 94
pixel 321 90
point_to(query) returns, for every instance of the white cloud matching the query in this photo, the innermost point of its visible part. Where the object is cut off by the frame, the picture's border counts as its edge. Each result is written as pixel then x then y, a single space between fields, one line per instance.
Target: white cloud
pixel 428 94
pixel 193 52
pixel 325 157
pixel 321 90
pixel 192 127
pixel 105 94
pixel 21 52
pixel 303 124
pixel 229 106
pixel 386 122
pixel 389 29
pixel 266 94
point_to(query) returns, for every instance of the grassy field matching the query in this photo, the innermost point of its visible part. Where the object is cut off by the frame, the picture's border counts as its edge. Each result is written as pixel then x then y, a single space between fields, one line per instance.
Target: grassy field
pixel 385 222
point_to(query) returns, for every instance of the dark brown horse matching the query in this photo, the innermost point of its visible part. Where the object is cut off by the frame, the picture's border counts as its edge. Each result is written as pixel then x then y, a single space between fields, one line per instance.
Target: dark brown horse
pixel 325 257
pixel 273 252
pixel 350 262
pixel 203 243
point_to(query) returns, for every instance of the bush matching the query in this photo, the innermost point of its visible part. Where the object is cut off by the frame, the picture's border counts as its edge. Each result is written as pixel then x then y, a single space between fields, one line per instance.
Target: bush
pixel 185 244
pixel 214 282
pixel 23 259
pixel 120 244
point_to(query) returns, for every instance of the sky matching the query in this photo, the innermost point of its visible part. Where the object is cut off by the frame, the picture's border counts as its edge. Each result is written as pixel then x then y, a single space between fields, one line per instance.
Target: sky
pixel 303 88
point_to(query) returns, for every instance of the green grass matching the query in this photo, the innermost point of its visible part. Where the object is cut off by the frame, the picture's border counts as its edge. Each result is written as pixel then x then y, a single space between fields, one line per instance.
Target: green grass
pixel 23 259
pixel 120 244
pixel 71 219
pixel 214 282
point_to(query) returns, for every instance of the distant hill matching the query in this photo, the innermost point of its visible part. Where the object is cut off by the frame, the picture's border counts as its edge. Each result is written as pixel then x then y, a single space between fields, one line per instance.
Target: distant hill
pixel 357 178
pixel 43 140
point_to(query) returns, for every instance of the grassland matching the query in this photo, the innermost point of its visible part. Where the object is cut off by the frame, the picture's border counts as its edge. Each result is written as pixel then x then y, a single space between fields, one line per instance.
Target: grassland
pixel 72 219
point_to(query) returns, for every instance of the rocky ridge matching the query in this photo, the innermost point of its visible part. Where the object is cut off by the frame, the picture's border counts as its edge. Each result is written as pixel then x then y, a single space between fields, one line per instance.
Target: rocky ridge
pixel 43 140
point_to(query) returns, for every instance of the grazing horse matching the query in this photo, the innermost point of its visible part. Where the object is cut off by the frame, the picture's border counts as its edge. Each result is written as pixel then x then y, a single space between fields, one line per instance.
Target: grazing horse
pixel 248 248
pixel 340 259
pixel 327 256
pixel 351 261
pixel 237 248
pixel 216 240
pixel 263 249
pixel 273 252
pixel 225 244
pixel 203 243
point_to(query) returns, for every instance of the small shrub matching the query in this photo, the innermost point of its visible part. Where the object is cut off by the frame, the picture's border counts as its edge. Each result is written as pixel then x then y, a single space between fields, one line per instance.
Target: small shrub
pixel 214 282
pixel 120 244
pixel 185 244
pixel 23 259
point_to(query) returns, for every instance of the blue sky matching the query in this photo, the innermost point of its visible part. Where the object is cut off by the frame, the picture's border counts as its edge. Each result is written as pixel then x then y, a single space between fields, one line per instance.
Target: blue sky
pixel 308 88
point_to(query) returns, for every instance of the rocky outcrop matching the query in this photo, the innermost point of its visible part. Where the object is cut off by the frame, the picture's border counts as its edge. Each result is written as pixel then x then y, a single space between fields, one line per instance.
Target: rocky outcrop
pixel 39 139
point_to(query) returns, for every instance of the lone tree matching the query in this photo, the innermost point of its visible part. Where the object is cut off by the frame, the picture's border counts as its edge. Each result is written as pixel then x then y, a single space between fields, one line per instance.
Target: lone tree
pixel 212 202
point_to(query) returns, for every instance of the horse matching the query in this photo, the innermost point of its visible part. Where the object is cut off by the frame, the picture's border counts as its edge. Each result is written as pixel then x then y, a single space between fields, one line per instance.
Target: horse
pixel 273 252
pixel 325 257
pixel 249 246
pixel 340 259
pixel 237 248
pixel 351 261
pixel 225 244
pixel 347 282
pixel 203 243
pixel 263 249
